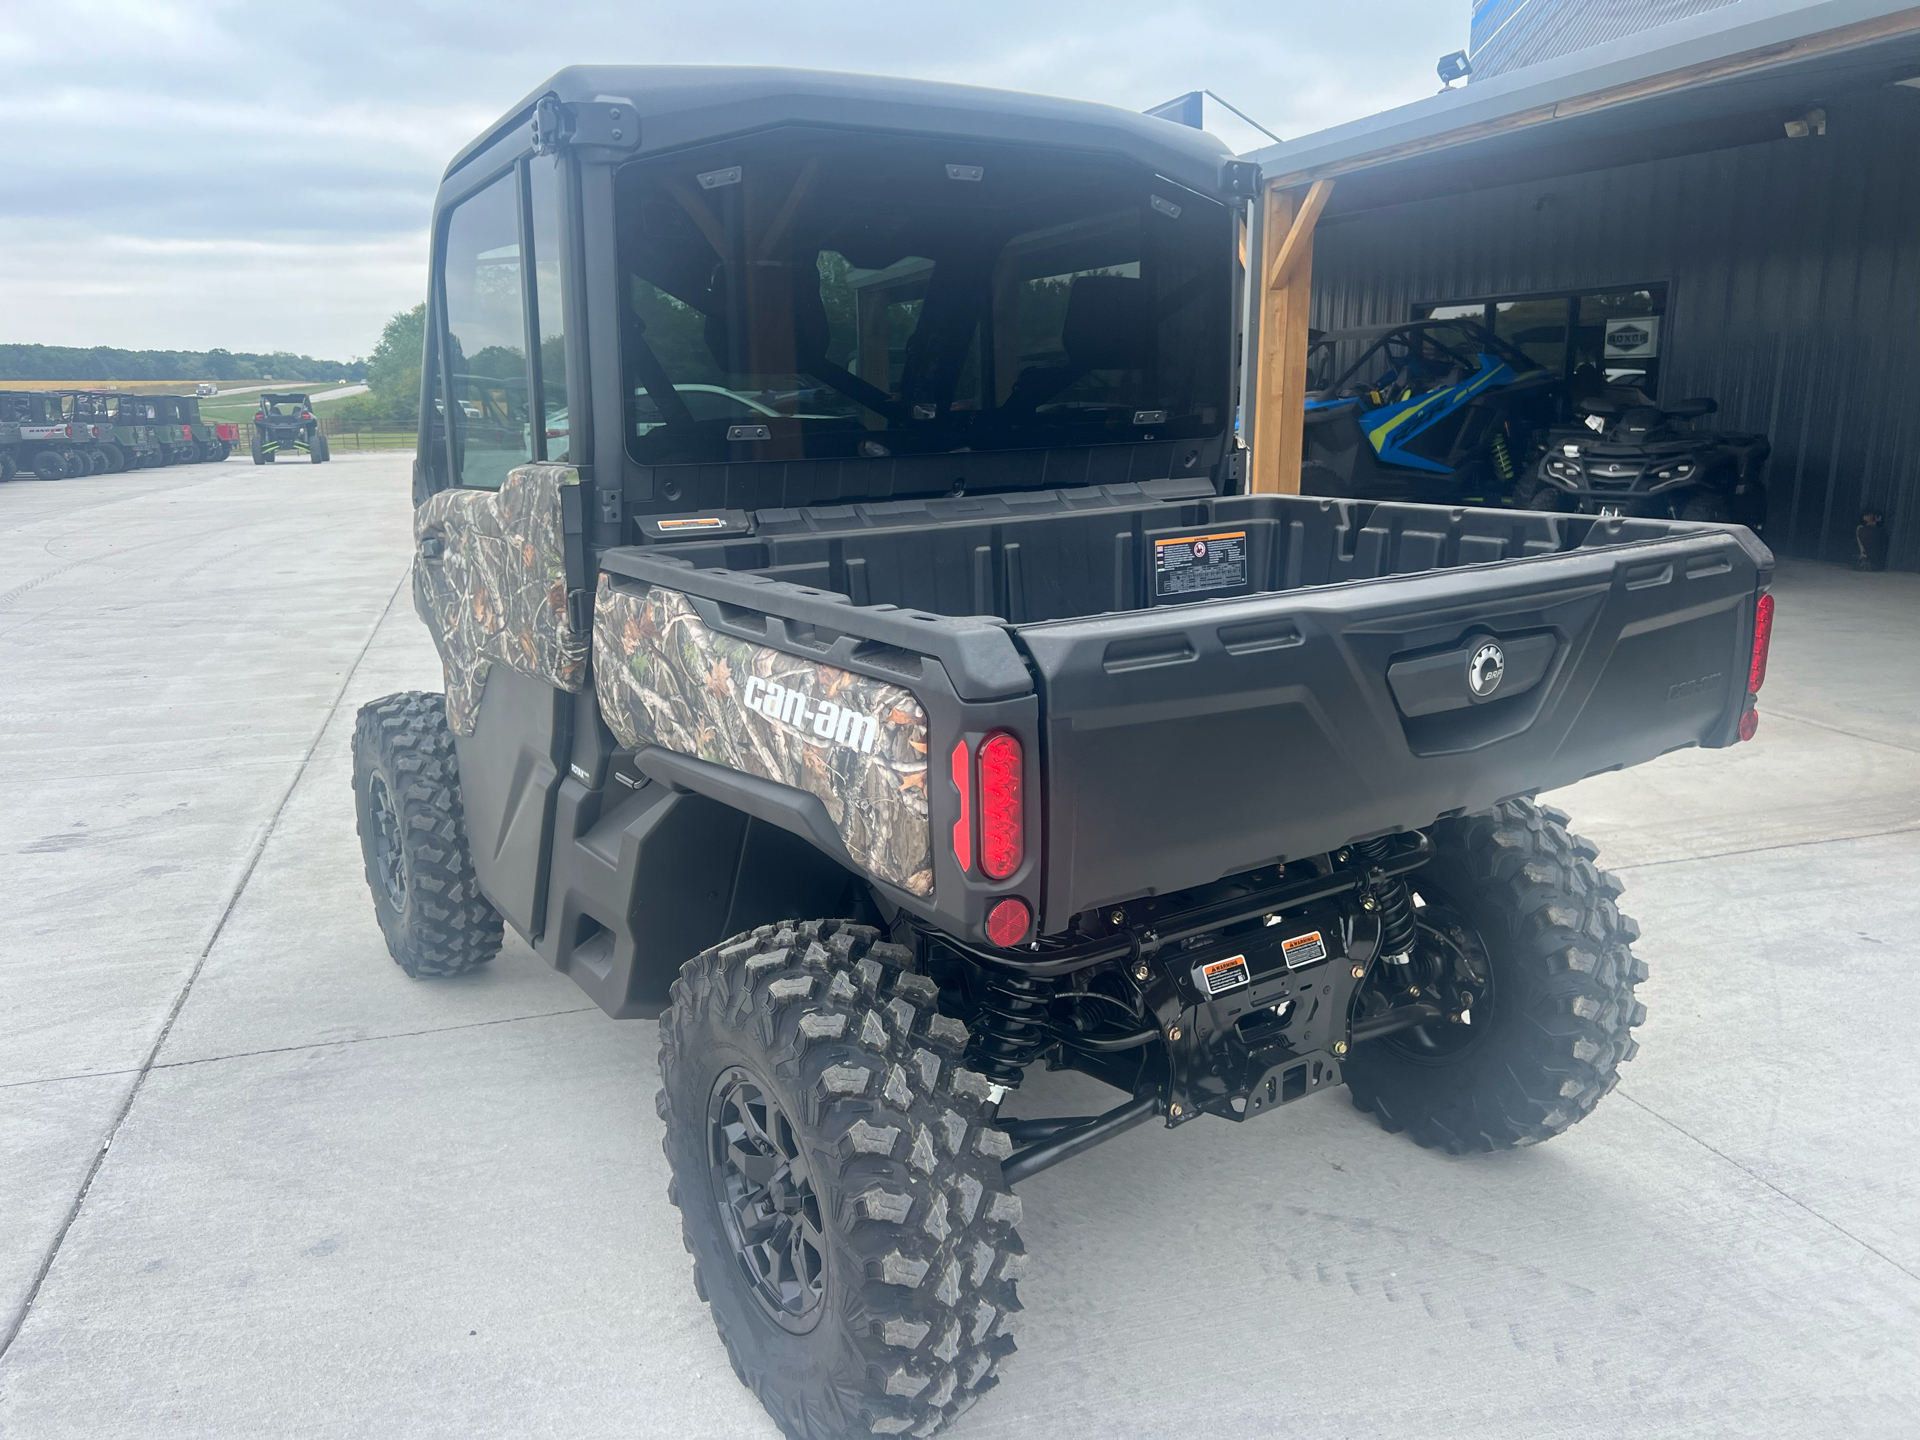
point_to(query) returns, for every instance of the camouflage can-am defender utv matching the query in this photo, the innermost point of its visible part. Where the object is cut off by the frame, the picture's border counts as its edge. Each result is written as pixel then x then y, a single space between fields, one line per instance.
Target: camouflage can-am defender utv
pixel 860 654
pixel 51 446
pixel 285 424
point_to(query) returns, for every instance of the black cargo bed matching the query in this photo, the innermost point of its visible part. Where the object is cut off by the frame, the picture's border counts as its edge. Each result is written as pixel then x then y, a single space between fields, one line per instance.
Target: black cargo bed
pixel 1300 685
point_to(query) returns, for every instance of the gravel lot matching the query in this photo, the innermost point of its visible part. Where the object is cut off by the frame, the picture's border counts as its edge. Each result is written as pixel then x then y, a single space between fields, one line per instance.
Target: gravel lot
pixel 338 1202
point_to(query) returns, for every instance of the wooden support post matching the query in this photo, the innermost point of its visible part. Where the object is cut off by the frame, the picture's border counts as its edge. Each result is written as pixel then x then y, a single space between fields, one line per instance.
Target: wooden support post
pixel 1286 296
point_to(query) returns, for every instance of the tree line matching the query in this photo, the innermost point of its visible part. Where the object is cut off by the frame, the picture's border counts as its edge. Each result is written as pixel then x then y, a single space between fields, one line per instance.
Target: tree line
pixel 102 362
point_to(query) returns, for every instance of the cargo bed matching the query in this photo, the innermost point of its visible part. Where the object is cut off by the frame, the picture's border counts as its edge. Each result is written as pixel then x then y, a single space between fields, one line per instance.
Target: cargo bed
pixel 1205 685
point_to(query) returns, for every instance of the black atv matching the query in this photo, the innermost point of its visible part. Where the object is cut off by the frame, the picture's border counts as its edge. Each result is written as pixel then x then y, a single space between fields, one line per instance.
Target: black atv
pixel 1439 411
pixel 286 422
pixel 1631 457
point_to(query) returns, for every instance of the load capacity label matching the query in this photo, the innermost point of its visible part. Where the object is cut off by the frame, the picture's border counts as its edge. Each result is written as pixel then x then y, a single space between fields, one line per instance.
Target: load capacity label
pixel 1194 564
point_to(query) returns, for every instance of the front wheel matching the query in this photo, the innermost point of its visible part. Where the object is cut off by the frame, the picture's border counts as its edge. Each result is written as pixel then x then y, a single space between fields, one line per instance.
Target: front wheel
pixel 1513 914
pixel 413 838
pixel 838 1177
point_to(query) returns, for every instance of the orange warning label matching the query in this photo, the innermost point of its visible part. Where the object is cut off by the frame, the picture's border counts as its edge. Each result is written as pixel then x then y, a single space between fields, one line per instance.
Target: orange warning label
pixel 1303 949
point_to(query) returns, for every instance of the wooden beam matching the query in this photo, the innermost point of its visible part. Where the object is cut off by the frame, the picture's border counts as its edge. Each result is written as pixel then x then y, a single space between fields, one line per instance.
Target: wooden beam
pixel 1299 239
pixel 1280 397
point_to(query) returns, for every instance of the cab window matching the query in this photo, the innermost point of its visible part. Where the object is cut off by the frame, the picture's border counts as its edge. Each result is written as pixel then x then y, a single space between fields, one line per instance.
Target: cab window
pixel 486 346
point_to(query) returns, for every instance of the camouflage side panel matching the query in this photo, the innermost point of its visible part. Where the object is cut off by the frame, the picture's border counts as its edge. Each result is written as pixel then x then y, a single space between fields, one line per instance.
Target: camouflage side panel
pixel 497 594
pixel 663 678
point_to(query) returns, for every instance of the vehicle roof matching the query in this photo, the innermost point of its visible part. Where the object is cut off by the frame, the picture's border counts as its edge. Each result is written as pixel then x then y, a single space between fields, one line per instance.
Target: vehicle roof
pixel 682 105
pixel 284 395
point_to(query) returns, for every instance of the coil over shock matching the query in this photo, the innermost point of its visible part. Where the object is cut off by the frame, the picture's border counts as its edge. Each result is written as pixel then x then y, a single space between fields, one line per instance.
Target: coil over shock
pixel 1010 1031
pixel 1392 902
pixel 1502 457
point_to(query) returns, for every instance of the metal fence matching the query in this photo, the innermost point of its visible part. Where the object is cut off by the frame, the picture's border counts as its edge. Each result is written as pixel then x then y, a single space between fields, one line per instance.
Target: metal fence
pixel 341 434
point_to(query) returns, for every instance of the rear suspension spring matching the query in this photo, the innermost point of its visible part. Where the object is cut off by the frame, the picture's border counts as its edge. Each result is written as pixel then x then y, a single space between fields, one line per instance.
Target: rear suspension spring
pixel 1010 1030
pixel 1392 902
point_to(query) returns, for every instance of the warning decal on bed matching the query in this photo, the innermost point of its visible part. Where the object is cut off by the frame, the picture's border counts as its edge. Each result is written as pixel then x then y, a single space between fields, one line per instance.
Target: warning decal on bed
pixel 1303 949
pixel 1193 564
pixel 704 522
pixel 1221 975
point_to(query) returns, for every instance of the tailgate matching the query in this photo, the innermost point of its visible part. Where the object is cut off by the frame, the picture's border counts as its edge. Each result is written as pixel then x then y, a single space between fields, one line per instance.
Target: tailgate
pixel 1187 744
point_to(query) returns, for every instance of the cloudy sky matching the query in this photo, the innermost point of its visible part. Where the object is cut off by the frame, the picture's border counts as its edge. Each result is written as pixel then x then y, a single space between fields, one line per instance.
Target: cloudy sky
pixel 259 176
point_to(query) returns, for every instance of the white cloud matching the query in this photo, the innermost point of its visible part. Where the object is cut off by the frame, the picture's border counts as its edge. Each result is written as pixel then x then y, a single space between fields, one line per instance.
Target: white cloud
pixel 255 176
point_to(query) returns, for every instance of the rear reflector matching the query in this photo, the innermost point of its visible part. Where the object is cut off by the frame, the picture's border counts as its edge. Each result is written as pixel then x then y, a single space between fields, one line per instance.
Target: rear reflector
pixel 1749 722
pixel 963 827
pixel 1007 923
pixel 1762 638
pixel 1002 835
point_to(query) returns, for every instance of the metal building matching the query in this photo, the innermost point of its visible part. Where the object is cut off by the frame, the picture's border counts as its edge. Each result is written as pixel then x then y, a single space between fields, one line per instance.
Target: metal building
pixel 1735 191
pixel 1508 34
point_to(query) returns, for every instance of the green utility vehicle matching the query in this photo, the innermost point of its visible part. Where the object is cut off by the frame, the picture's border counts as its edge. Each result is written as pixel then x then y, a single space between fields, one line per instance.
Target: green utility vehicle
pixel 285 424
pixel 51 446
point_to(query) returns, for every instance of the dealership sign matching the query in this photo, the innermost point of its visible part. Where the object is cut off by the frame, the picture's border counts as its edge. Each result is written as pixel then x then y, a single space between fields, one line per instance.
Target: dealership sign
pixel 1633 339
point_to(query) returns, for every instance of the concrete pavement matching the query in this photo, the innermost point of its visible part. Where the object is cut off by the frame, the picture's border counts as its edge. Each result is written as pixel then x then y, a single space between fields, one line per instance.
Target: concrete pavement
pixel 337 1202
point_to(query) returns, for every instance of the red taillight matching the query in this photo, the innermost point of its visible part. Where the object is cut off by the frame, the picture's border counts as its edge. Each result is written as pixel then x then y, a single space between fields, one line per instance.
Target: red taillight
pixel 963 827
pixel 306 415
pixel 1003 842
pixel 1762 637
pixel 259 415
pixel 1007 923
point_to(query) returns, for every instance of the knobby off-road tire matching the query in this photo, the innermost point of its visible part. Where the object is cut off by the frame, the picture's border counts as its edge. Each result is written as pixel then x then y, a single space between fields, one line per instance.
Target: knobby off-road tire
pixel 1547 1042
pixel 413 837
pixel 881 1142
pixel 322 452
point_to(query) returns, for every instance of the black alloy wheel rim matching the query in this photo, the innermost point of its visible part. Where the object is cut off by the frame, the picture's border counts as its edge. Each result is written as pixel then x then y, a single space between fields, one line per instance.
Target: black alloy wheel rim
pixel 1449 959
pixel 389 859
pixel 764 1191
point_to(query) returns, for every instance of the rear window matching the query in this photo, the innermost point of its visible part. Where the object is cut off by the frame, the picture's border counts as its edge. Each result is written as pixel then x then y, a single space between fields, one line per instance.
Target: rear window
pixel 821 293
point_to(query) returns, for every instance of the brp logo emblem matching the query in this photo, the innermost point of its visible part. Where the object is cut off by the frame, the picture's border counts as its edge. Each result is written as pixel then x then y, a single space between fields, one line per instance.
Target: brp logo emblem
pixel 1486 670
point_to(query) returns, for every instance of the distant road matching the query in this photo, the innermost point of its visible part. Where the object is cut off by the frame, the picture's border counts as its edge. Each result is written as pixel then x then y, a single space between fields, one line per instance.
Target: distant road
pixel 342 393
pixel 286 384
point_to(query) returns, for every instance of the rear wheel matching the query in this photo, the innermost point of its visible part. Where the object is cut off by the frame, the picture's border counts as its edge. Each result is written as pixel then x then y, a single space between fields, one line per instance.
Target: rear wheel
pixel 74 464
pixel 116 459
pixel 1549 497
pixel 838 1177
pixel 8 466
pixel 221 451
pixel 49 464
pixel 1512 913
pixel 259 451
pixel 413 838
pixel 321 454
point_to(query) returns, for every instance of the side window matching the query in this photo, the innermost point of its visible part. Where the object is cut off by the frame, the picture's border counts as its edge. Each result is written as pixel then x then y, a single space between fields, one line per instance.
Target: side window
pixel 486 351
pixel 545 197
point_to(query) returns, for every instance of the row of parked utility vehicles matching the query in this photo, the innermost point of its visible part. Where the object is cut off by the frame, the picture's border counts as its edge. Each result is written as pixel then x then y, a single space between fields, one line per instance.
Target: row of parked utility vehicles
pixel 63 434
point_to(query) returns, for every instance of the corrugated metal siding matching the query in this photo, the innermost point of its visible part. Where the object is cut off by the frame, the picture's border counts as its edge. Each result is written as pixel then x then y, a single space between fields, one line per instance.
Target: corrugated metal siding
pixel 1507 34
pixel 1794 269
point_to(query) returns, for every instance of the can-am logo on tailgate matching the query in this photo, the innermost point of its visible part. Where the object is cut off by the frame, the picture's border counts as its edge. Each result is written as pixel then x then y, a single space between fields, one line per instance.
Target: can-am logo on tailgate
pixel 826 720
pixel 1486 669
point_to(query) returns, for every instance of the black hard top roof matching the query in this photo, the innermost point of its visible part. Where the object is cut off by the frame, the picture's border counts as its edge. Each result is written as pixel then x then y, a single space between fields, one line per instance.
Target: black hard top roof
pixel 682 105
pixel 299 395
